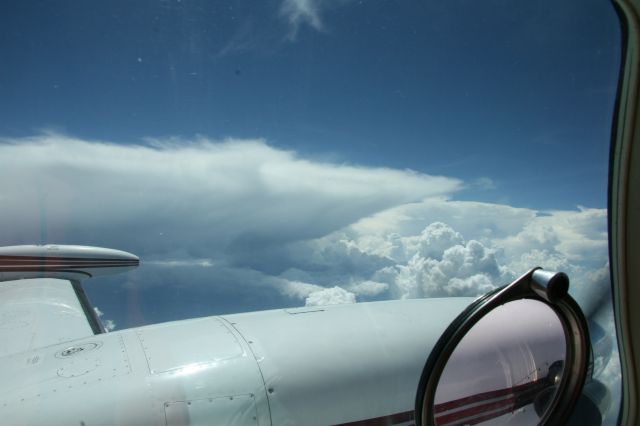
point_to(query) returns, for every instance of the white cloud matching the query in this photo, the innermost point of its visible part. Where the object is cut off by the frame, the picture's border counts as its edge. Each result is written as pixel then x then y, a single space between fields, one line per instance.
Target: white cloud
pixel 299 12
pixel 432 241
pixel 474 220
pixel 109 325
pixel 298 289
pixel 203 263
pixel 457 269
pixel 368 288
pixel 330 296
pixel 498 243
pixel 579 236
pixel 306 12
pixel 210 198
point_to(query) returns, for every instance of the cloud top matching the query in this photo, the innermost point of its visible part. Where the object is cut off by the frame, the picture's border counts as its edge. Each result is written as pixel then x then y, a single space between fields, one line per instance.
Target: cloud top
pixel 203 195
pixel 330 296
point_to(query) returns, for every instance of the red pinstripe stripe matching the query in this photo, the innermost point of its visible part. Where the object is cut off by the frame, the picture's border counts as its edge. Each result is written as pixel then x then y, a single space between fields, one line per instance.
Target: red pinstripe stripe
pixel 383 421
pixel 446 406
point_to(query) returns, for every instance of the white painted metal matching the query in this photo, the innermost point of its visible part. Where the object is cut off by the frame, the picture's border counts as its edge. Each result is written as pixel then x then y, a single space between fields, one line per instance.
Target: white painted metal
pixel 39 312
pixel 284 367
pixel 42 301
pixel 62 261
pixel 198 342
pixel 345 363
pixel 237 410
pixel 109 381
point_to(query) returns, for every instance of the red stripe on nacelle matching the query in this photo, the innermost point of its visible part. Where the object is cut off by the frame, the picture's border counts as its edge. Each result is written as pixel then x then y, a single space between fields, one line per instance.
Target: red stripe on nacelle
pixel 389 420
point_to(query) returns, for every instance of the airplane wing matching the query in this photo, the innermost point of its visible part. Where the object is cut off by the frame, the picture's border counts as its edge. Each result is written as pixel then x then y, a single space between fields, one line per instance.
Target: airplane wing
pixel 39 312
pixel 42 301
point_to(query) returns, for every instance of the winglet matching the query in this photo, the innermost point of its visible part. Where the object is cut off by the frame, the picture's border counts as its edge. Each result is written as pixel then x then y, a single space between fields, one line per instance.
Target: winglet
pixel 62 261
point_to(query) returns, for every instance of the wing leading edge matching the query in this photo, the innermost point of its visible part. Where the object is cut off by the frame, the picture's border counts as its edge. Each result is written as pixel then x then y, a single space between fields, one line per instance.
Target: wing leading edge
pixel 42 301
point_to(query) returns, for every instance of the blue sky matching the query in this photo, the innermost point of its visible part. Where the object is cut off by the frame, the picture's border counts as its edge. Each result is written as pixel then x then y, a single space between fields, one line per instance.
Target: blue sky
pixel 257 138
pixel 515 92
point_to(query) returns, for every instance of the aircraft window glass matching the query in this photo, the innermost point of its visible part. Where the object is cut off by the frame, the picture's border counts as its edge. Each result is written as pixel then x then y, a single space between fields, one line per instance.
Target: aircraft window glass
pixel 293 153
pixel 504 370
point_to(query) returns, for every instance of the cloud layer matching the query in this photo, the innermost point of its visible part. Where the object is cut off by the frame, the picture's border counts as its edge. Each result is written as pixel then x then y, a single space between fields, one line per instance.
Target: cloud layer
pixel 201 197
pixel 244 209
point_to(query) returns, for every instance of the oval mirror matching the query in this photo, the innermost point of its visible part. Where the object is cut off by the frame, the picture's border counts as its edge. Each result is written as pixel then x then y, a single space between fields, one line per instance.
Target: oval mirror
pixel 505 370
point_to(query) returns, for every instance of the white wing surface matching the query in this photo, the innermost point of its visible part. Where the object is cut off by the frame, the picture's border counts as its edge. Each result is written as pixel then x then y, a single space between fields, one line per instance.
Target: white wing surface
pixel 42 301
pixel 39 312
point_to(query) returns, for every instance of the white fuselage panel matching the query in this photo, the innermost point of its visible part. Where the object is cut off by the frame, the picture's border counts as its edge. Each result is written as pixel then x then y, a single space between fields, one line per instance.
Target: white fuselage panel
pixel 332 365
